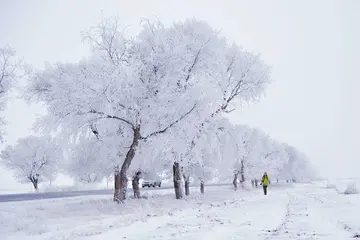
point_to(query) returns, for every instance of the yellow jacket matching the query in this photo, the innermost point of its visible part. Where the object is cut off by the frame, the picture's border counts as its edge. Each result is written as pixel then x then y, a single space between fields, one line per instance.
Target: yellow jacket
pixel 265 180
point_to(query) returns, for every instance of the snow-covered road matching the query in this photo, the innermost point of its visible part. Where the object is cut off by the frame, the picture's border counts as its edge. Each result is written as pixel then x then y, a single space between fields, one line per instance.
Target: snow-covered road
pixel 66 194
pixel 302 211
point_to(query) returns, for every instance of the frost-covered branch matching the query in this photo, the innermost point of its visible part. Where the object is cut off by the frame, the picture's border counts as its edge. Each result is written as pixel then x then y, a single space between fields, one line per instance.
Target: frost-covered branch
pixel 171 124
pixel 112 117
pixel 109 39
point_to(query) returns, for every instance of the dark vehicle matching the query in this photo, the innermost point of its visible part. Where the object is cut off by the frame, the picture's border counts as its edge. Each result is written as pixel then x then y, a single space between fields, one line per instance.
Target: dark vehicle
pixel 148 183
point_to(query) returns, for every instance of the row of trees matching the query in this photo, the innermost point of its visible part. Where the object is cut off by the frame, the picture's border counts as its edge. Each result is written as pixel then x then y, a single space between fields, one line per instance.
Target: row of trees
pixel 153 103
pixel 224 152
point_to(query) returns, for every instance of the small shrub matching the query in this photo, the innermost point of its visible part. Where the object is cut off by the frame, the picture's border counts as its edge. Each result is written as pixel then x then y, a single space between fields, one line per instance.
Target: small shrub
pixel 351 189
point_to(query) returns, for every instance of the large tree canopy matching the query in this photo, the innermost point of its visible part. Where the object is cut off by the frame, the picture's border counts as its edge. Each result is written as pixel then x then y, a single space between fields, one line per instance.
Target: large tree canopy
pixel 165 76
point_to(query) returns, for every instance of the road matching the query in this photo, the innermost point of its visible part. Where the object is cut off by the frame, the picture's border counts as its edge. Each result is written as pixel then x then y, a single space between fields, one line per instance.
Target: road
pixel 49 195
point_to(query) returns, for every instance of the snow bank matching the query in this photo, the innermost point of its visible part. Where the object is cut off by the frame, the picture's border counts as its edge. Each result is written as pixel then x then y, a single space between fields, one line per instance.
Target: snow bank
pixel 14 191
pixel 68 188
pixel 84 187
pixel 70 217
pixel 351 189
pixel 330 186
pixel 281 185
pixel 344 186
pixel 303 211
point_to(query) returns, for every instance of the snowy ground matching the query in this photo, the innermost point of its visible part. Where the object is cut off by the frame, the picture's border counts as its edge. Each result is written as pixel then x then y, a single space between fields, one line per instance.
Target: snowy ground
pixel 300 211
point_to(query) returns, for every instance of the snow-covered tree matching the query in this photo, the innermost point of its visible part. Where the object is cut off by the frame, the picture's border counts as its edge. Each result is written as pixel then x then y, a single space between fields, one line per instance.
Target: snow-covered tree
pixel 11 69
pixel 218 154
pixel 242 78
pixel 33 159
pixel 148 84
pixel 226 150
pixel 249 140
pixel 275 157
pixel 230 148
pixel 8 68
pixel 208 155
pixel 90 161
pixel 298 167
pixel 205 157
pixel 262 154
pixel 248 152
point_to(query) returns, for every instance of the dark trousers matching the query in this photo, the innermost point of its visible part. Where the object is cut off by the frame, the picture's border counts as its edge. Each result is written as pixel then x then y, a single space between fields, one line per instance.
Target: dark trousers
pixel 265 189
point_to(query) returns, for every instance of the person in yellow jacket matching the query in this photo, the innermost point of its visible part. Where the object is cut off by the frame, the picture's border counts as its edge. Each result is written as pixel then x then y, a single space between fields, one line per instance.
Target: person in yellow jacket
pixel 265 182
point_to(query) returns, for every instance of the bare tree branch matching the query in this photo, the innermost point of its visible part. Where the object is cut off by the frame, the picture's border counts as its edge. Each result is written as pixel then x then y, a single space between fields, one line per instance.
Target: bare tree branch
pixel 235 91
pixel 104 115
pixel 94 130
pixel 104 37
pixel 43 163
pixel 269 154
pixel 170 125
pixel 229 111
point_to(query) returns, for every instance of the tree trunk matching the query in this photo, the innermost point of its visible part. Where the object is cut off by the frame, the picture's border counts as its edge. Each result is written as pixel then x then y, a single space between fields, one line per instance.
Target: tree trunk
pixel 235 180
pixel 187 185
pixel 120 178
pixel 242 173
pixel 202 187
pixel 116 182
pixel 34 182
pixel 177 180
pixel 135 184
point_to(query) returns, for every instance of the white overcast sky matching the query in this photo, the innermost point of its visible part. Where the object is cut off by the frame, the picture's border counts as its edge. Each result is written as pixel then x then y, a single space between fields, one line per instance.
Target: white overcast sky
pixel 312 46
